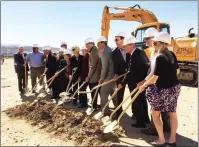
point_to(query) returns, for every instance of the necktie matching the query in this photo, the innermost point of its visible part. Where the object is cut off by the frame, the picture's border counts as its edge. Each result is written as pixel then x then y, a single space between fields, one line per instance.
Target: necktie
pixel 123 54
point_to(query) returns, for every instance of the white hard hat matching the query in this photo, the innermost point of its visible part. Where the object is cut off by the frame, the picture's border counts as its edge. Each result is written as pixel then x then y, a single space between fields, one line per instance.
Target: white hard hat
pixel 162 37
pixel 61 49
pixel 122 34
pixel 67 52
pixel 150 32
pixel 63 43
pixel 129 40
pixel 35 45
pixel 101 38
pixel 47 48
pixel 20 46
pixel 89 40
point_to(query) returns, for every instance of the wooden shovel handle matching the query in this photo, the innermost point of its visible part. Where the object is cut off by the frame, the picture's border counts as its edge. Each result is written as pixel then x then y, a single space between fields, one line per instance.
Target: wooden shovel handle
pixel 120 105
pixel 133 99
pixel 107 82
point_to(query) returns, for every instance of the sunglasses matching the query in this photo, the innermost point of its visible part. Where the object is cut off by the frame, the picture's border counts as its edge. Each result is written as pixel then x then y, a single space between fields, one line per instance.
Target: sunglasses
pixel 116 40
pixel 155 43
pixel 73 49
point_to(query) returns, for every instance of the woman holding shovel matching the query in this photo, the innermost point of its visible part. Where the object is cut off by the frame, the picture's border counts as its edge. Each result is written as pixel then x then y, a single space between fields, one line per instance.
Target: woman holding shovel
pixel 63 78
pixel 163 89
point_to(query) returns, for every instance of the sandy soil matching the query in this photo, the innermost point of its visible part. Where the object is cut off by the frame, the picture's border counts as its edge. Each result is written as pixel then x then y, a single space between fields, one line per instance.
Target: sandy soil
pixel 18 132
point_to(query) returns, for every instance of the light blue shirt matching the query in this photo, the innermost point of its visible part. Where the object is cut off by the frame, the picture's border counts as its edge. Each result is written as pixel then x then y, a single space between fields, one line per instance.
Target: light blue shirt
pixel 35 59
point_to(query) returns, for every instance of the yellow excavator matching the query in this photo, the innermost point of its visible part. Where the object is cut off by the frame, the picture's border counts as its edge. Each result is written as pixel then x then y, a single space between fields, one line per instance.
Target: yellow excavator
pixel 185 48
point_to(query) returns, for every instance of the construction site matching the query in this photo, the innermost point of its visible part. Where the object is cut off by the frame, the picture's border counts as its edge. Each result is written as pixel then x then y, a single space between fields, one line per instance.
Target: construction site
pixel 34 119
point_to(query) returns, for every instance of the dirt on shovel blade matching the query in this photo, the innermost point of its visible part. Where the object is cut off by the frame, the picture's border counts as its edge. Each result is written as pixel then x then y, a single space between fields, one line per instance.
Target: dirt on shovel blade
pixel 69 124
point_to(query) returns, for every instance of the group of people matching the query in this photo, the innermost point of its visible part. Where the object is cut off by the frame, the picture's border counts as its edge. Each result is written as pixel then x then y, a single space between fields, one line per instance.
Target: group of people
pixel 156 78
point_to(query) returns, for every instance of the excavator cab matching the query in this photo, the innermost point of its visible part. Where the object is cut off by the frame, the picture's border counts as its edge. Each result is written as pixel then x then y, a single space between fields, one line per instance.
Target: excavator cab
pixel 139 34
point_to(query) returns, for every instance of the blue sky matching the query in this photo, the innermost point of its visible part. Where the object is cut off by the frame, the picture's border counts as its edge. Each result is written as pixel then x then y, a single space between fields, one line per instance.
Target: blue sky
pixel 53 22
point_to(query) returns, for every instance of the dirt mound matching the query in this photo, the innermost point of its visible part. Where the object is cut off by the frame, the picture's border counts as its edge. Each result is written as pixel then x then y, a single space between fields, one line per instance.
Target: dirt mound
pixel 67 123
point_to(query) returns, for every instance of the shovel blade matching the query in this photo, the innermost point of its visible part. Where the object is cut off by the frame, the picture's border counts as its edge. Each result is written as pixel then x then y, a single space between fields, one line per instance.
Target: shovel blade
pixel 106 123
pixel 89 111
pixel 64 94
pixel 40 96
pixel 60 102
pixel 105 119
pixel 111 127
pixel 98 115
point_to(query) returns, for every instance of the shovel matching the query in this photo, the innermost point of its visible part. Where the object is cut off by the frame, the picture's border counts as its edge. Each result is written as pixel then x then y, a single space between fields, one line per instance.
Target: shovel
pixel 101 113
pixel 26 86
pixel 52 79
pixel 89 111
pixel 39 79
pixel 60 102
pixel 67 98
pixel 66 93
pixel 105 83
pixel 106 120
pixel 115 124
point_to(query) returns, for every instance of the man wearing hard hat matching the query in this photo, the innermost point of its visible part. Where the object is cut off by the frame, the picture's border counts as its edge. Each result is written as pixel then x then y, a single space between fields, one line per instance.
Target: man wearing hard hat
pixel 120 60
pixel 138 67
pixel 94 67
pixel 19 59
pixel 35 60
pixel 51 65
pixel 107 72
pixel 148 36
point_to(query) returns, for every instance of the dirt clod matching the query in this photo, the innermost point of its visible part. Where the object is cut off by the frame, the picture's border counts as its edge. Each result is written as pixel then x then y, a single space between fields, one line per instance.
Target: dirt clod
pixel 68 123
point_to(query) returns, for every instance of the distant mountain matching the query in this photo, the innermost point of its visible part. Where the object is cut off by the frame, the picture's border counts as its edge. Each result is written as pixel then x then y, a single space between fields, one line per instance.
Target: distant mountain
pixel 11 49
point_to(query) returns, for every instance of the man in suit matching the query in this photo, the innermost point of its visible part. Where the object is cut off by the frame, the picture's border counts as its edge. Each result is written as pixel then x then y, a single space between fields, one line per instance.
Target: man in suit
pixel 138 67
pixel 94 67
pixel 52 66
pixel 107 72
pixel 84 73
pixel 76 62
pixel 120 60
pixel 19 60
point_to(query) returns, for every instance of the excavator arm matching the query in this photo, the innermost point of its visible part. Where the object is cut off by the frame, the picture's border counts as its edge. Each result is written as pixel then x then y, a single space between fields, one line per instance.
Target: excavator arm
pixel 129 14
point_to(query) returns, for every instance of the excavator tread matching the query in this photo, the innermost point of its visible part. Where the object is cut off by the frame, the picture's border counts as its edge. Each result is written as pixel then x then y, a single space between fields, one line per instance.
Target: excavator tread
pixel 191 69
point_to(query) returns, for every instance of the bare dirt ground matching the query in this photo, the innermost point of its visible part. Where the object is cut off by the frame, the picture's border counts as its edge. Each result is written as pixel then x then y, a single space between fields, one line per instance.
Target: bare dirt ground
pixel 19 132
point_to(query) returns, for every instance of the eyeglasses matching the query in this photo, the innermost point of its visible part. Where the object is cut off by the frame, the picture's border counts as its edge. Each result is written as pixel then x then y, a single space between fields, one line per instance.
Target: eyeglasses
pixel 73 49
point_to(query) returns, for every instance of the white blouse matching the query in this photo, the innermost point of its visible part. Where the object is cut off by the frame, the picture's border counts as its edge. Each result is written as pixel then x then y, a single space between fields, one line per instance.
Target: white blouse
pixel 152 65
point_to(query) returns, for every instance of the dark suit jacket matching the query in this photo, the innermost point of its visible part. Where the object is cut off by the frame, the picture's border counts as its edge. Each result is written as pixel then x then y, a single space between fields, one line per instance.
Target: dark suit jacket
pixel 138 67
pixel 75 63
pixel 51 64
pixel 120 65
pixel 85 67
pixel 19 61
